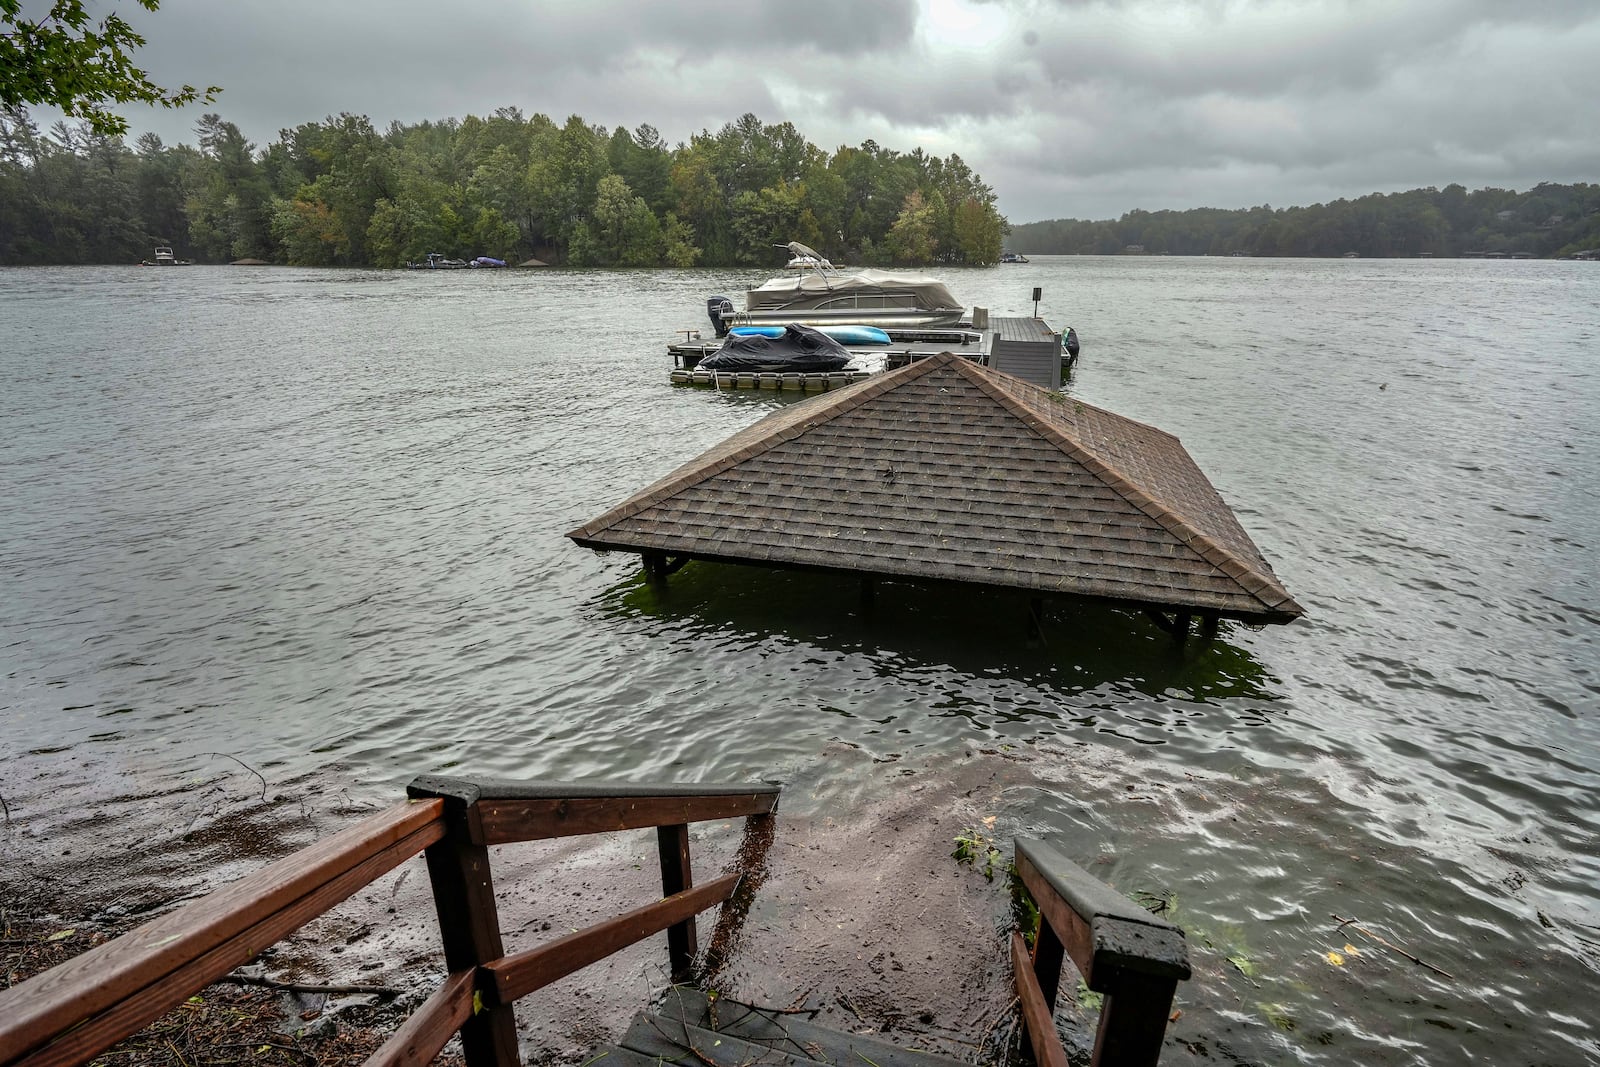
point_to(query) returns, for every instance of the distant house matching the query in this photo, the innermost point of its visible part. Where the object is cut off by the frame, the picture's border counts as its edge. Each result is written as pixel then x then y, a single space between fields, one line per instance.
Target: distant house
pixel 1134 250
pixel 1503 216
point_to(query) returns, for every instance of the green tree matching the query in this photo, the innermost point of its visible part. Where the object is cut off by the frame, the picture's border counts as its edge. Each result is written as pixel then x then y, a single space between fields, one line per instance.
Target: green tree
pixel 501 183
pixel 65 60
pixel 389 235
pixel 978 232
pixel 642 159
pixel 230 206
pixel 564 180
pixel 912 238
pixel 677 243
pixel 622 230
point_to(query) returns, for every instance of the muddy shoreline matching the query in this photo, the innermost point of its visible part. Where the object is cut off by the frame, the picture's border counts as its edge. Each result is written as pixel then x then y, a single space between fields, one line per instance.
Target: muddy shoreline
pixel 865 918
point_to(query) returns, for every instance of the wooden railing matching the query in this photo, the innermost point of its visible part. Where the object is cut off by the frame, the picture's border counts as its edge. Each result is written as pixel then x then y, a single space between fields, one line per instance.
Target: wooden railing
pixel 71 1013
pixel 1134 958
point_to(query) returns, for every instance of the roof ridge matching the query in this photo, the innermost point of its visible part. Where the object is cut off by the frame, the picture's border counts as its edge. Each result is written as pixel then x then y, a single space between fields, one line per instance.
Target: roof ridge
pixel 846 401
pixel 1207 548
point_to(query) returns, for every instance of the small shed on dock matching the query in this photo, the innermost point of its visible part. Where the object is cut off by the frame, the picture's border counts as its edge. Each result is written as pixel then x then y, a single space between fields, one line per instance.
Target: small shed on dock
pixel 948 471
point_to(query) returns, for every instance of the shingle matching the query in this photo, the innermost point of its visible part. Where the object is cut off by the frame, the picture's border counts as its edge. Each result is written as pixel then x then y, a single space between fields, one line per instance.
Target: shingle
pixel 944 469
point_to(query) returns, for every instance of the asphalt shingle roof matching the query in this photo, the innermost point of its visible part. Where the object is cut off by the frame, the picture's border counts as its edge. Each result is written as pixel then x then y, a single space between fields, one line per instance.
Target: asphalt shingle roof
pixel 946 470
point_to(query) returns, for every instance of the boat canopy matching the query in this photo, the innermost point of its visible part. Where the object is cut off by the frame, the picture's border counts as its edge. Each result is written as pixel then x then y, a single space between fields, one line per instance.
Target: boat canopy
pixel 913 290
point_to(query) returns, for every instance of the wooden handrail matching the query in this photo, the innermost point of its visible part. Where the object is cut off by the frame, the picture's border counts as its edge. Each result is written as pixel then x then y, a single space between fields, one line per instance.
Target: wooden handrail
pixel 1133 957
pixel 533 811
pixel 430 1028
pixel 78 1009
pixel 518 975
pixel 72 1012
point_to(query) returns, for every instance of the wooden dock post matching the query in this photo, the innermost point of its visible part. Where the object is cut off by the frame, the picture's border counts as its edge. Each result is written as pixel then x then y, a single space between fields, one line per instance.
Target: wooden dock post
pixel 1035 622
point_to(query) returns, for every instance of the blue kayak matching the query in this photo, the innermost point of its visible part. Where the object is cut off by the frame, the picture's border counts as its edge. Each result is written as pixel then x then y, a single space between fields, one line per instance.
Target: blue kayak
pixel 844 334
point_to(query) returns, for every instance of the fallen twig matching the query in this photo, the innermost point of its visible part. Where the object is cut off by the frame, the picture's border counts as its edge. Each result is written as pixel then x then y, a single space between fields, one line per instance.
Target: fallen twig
pixel 301 987
pixel 246 766
pixel 1355 924
pixel 844 1001
pixel 1004 1013
pixel 5 808
pixel 798 1003
pixel 257 1046
pixel 689 1045
pixel 787 1011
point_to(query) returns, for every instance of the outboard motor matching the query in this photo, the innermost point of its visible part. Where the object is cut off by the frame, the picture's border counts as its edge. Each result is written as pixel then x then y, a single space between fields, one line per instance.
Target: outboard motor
pixel 720 308
pixel 1070 342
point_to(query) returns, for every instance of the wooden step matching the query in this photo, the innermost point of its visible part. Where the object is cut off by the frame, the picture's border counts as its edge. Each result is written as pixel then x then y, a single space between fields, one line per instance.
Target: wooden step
pixel 666 1040
pixel 794 1035
pixel 613 1056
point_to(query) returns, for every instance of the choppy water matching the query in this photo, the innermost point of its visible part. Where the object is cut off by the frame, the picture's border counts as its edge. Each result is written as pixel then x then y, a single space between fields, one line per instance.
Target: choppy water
pixel 316 518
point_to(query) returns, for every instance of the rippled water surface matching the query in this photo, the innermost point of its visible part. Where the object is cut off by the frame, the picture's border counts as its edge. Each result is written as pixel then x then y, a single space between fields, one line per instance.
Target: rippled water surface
pixel 315 519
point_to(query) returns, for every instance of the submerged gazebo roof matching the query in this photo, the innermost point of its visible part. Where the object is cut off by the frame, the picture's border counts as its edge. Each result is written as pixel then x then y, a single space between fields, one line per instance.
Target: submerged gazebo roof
pixel 945 470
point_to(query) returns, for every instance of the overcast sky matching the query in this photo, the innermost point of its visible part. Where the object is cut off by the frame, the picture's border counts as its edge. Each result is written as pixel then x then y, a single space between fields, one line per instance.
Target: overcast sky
pixel 1068 108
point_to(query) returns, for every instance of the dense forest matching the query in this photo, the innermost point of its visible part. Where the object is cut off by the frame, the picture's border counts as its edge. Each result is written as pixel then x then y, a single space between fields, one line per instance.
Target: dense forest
pixel 340 193
pixel 1547 220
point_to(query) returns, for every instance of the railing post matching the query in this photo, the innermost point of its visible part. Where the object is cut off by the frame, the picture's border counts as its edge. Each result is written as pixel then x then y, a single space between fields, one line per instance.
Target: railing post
pixel 1133 1019
pixel 1132 957
pixel 1047 956
pixel 682 940
pixel 469 922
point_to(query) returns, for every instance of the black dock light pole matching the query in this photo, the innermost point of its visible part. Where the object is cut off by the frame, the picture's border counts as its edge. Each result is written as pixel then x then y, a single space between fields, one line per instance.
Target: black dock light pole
pixel 1037 293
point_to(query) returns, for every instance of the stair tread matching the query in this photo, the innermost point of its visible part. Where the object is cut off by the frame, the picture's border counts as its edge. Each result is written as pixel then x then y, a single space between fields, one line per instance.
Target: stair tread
pixel 668 1039
pixel 797 1036
pixel 616 1056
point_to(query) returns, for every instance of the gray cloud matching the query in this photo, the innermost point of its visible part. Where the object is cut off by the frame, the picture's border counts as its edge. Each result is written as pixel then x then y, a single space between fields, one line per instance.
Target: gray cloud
pixel 1067 107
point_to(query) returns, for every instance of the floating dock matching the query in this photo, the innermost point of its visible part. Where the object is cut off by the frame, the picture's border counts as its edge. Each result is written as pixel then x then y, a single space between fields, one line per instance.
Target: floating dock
pixel 808 383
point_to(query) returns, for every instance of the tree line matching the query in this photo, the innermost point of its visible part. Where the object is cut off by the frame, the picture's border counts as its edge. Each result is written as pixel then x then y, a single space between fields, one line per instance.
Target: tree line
pixel 341 193
pixel 1547 220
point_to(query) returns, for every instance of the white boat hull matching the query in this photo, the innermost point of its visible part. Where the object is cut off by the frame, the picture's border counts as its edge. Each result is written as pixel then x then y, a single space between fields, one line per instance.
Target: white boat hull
pixel 884 318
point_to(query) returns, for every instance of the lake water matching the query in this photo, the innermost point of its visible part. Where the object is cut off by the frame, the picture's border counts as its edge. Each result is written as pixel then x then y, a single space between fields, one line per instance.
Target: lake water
pixel 315 519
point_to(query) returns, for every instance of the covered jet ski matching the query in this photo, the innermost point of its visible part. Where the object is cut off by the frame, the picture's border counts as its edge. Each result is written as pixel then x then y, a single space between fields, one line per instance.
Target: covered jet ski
pixel 799 350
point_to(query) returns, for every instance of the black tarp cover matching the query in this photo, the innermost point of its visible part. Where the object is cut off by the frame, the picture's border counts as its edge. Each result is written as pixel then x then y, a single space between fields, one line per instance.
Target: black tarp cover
pixel 800 350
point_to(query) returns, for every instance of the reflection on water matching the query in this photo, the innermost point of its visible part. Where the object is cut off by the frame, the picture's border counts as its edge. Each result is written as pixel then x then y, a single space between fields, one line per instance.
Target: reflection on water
pixel 973 632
